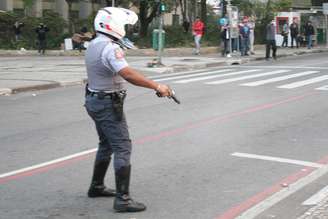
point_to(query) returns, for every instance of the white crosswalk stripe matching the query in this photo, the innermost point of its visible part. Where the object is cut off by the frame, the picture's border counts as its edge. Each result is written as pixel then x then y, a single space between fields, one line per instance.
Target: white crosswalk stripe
pixel 193 75
pixel 215 76
pixel 233 74
pixel 247 77
pixel 305 82
pixel 322 88
pixel 282 78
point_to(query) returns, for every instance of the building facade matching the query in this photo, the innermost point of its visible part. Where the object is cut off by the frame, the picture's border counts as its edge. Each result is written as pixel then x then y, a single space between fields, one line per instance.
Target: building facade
pixel 81 9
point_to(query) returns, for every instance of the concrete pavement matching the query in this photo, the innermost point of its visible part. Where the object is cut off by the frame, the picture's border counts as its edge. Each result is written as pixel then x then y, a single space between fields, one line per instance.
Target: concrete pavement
pixel 26 71
pixel 19 73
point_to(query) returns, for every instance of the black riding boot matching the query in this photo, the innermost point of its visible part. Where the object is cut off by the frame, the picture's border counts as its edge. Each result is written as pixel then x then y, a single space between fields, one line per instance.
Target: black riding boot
pixel 97 187
pixel 123 202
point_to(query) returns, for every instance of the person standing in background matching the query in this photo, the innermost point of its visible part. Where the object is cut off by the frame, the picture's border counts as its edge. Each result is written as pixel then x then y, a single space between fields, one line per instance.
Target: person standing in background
pixel 309 32
pixel 17 30
pixel 294 33
pixel 284 34
pixel 197 31
pixel 271 40
pixel 251 24
pixel 41 31
pixel 244 33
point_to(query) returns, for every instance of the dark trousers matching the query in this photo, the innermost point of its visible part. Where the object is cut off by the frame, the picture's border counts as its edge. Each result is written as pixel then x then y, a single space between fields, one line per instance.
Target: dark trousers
pixel 225 47
pixel 42 46
pixel 244 44
pixel 271 44
pixel 285 41
pixel 112 131
pixel 292 40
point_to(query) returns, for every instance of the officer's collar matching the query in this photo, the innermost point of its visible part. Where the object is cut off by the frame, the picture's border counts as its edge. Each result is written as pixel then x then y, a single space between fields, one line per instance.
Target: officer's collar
pixel 124 43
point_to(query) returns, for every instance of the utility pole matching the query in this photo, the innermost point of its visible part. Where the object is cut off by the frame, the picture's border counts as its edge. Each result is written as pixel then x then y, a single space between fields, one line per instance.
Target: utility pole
pixel 160 32
pixel 113 3
pixel 325 12
pixel 160 46
pixel 229 10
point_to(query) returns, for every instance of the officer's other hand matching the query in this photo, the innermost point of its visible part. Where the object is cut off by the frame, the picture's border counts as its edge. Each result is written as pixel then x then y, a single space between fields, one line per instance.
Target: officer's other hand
pixel 163 90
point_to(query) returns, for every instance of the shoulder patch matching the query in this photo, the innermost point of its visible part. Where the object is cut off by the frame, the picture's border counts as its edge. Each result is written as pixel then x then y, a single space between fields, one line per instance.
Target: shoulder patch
pixel 119 54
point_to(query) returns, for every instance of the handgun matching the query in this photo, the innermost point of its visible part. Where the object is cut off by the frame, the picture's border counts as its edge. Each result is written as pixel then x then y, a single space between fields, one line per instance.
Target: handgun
pixel 173 96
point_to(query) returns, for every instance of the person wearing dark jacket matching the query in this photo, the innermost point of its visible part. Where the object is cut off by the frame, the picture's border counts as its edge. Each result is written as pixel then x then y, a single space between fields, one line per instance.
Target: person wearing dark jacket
pixel 271 40
pixel 294 33
pixel 41 31
pixel 18 30
pixel 309 32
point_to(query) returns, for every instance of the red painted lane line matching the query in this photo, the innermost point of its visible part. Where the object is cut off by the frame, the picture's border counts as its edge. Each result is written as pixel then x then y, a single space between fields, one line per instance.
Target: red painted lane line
pixel 219 119
pixel 166 134
pixel 256 199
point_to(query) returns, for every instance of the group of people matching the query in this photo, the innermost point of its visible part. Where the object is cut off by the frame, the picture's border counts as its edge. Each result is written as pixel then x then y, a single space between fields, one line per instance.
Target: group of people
pixel 296 37
pixel 242 37
pixel 41 31
pixel 245 37
pixel 294 30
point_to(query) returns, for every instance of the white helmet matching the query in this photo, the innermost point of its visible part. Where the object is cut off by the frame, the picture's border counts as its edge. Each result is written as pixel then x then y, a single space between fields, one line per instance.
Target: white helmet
pixel 111 20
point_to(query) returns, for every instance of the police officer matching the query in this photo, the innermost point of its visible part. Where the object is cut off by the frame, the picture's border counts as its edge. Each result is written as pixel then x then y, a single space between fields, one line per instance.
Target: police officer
pixel 105 93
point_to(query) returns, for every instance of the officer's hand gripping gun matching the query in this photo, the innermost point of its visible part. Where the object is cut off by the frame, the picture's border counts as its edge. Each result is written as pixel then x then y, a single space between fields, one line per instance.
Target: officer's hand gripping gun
pixel 173 96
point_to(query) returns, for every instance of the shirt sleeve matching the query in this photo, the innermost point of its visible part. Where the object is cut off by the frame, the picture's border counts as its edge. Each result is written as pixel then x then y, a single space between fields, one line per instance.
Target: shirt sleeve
pixel 113 58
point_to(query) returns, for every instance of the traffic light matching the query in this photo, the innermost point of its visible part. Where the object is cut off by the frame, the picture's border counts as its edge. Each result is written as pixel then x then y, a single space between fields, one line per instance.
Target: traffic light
pixel 162 7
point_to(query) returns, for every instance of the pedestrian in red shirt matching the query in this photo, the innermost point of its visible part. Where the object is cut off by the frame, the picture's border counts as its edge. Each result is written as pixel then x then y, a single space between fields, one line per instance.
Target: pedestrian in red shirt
pixel 197 31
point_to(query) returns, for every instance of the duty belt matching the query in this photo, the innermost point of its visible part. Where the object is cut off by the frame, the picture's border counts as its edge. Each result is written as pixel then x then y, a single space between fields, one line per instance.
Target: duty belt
pixel 102 95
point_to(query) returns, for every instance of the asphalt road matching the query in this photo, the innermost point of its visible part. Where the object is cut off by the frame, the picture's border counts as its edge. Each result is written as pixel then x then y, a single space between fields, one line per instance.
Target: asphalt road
pixel 242 134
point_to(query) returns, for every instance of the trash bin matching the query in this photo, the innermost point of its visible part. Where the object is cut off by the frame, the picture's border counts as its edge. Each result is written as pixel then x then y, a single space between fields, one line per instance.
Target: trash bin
pixel 155 39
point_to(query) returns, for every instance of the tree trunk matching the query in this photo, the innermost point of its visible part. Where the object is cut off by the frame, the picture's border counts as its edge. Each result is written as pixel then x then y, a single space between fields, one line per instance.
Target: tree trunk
pixel 144 19
pixel 70 21
pixel 183 10
pixel 143 10
pixel 203 6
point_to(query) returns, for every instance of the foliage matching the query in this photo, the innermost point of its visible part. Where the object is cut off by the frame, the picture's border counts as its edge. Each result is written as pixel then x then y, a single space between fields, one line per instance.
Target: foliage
pixel 175 36
pixel 53 20
pixel 28 3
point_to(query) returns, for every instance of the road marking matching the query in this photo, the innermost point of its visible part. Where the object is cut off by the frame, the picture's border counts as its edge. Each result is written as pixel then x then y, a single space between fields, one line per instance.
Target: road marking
pixel 192 75
pixel 216 119
pixel 277 159
pixel 48 163
pixel 322 88
pixel 282 78
pixel 305 82
pixel 297 182
pixel 215 76
pixel 247 77
pixel 317 198
pixel 283 66
pixel 180 73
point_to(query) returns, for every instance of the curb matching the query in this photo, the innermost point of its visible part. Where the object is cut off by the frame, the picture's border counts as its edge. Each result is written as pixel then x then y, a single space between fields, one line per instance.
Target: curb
pixel 9 91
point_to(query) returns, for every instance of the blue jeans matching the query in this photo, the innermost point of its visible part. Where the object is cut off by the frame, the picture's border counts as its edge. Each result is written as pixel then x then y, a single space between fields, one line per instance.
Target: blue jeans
pixel 244 45
pixel 112 132
pixel 197 39
pixel 309 41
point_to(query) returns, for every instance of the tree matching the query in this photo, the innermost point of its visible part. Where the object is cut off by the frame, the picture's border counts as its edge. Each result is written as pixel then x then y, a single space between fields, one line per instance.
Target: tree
pixel 145 17
pixel 203 11
pixel 70 17
pixel 27 5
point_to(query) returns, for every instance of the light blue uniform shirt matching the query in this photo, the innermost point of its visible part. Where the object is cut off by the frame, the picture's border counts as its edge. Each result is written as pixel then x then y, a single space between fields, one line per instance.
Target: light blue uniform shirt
pixel 104 59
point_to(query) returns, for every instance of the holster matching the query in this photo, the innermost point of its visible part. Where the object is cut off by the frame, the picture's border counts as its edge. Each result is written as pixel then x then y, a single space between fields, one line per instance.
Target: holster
pixel 118 102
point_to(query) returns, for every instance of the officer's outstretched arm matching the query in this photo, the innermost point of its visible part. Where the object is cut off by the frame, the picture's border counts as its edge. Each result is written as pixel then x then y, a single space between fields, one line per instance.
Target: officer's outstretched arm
pixel 136 78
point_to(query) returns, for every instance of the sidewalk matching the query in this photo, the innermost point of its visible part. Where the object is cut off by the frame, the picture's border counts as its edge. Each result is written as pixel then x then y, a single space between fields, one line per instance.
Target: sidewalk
pixel 25 71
